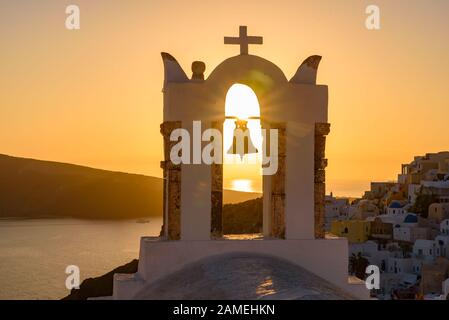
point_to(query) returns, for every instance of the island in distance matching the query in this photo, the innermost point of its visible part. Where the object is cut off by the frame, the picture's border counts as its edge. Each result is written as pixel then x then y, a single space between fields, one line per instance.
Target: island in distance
pixel 41 189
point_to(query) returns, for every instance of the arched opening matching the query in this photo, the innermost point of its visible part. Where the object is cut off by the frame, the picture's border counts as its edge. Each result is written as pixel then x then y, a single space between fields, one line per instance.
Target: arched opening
pixel 242 172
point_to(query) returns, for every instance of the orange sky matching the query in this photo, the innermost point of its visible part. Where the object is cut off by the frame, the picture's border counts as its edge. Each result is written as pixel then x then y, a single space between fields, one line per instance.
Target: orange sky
pixel 93 96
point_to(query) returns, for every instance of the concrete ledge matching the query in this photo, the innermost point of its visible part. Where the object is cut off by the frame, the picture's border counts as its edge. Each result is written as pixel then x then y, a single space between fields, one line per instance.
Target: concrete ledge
pixel 327 259
pixel 126 286
pixel 102 298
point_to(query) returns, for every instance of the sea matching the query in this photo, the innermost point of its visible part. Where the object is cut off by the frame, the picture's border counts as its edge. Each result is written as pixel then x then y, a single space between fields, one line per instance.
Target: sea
pixel 34 253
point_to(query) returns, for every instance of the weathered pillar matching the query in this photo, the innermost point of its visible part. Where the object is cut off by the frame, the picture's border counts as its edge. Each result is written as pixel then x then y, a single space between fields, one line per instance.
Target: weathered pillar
pixel 217 193
pixel 171 228
pixel 321 131
pixel 163 232
pixel 278 185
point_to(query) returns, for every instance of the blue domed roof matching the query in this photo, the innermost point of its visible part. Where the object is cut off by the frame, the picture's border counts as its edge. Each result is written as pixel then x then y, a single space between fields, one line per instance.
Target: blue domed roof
pixel 395 205
pixel 411 218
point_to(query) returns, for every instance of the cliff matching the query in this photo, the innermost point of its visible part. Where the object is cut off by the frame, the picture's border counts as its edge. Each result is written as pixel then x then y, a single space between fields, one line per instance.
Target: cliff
pixel 100 286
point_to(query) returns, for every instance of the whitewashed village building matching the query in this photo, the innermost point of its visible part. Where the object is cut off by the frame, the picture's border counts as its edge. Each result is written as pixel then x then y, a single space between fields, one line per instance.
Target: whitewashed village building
pixel 444 227
pixel 335 209
pixel 423 257
pixel 396 208
pixel 409 230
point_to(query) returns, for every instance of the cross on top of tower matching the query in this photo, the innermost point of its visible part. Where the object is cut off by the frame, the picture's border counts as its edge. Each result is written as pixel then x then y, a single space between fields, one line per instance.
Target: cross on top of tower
pixel 243 40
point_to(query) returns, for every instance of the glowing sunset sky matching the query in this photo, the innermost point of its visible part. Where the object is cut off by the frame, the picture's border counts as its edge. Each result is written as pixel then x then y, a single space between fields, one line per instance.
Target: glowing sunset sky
pixel 93 96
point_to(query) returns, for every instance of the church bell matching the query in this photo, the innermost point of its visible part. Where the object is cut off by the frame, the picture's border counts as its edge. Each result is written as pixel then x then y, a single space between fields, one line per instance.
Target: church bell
pixel 241 141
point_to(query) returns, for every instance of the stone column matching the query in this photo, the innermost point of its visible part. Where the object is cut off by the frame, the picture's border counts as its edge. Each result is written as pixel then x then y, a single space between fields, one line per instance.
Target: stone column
pixel 217 192
pixel 266 181
pixel 278 185
pixel 163 232
pixel 171 228
pixel 321 131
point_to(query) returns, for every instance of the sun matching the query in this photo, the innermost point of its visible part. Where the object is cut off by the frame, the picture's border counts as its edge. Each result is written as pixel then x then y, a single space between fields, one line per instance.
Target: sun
pixel 241 102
